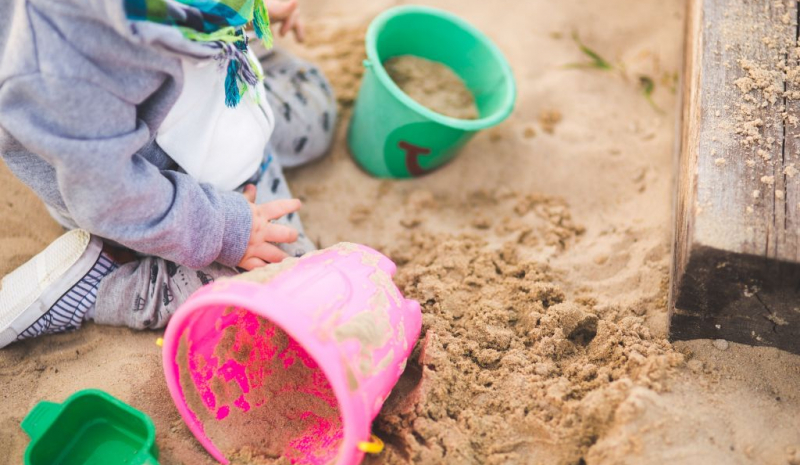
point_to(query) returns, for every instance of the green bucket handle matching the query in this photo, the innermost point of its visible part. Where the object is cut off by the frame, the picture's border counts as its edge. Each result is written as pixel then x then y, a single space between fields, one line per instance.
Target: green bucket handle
pixel 40 418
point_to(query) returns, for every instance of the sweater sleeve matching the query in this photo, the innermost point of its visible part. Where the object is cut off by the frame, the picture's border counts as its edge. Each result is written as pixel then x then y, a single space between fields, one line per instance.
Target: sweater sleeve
pixel 91 137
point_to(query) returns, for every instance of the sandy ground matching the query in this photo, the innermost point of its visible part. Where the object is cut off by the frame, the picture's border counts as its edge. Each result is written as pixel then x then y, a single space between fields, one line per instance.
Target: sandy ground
pixel 540 256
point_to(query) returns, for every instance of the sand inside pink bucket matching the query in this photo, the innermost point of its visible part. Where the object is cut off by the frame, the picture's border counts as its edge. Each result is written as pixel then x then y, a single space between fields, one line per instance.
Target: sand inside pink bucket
pixel 261 398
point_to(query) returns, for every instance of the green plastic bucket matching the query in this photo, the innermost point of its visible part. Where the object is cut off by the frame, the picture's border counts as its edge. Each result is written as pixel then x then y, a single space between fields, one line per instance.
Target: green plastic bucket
pixel 89 428
pixel 393 136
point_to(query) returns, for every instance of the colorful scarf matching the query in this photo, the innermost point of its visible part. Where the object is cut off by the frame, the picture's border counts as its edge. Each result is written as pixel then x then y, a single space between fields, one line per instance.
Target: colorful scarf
pixel 219 24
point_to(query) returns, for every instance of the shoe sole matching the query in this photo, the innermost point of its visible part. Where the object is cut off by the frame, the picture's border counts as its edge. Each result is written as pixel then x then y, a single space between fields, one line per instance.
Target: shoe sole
pixel 31 290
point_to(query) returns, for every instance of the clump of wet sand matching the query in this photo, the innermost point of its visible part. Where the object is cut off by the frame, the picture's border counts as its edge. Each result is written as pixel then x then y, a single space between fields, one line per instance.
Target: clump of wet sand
pixel 508 362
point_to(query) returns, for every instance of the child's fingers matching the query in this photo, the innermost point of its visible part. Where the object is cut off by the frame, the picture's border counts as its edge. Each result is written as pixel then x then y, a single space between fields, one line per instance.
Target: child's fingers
pixel 250 193
pixel 280 233
pixel 300 30
pixel 288 25
pixel 252 263
pixel 280 10
pixel 269 253
pixel 278 208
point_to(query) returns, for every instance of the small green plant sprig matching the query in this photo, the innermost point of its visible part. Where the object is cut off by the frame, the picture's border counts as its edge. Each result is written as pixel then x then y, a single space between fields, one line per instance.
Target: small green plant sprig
pixel 596 61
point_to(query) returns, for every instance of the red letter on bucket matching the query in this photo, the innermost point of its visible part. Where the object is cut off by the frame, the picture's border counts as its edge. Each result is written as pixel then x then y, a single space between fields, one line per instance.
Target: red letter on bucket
pixel 413 152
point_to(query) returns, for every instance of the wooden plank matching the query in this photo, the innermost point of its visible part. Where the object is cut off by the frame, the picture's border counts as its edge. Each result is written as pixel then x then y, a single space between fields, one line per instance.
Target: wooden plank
pixel 736 255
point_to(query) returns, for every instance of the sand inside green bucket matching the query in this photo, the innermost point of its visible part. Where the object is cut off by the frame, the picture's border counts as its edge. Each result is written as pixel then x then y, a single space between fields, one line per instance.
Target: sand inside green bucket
pixel 433 85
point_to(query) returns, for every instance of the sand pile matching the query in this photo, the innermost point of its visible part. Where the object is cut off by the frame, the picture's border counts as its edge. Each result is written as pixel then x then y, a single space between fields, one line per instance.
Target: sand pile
pixel 509 366
pixel 432 84
pixel 340 52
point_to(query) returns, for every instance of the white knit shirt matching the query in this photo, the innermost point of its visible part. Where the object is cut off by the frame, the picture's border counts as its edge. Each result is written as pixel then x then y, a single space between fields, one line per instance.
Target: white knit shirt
pixel 211 142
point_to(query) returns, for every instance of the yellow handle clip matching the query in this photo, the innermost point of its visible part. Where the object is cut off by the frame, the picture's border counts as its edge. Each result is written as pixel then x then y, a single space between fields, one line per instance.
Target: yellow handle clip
pixel 374 446
pixel 160 342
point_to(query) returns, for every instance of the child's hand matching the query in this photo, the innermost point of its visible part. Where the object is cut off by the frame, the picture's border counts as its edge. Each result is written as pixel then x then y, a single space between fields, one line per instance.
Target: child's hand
pixel 259 250
pixel 286 13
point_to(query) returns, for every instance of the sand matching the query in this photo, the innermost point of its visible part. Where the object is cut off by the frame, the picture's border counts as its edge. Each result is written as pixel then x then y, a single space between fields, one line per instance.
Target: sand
pixel 283 395
pixel 432 84
pixel 540 256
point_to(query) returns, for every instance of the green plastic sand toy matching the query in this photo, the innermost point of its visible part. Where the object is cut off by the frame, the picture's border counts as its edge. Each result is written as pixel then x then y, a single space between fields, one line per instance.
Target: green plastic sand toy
pixel 89 428
pixel 393 136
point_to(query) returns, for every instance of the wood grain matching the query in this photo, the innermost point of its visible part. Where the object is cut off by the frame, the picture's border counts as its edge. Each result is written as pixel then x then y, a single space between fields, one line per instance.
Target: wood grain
pixel 737 212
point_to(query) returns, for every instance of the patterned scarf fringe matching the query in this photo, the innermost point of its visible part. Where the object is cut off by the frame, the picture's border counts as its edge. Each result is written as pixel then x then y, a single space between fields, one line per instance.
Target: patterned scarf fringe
pixel 241 72
pixel 261 24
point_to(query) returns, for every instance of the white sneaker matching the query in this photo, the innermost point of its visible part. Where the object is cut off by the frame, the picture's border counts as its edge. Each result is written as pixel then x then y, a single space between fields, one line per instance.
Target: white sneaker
pixel 52 292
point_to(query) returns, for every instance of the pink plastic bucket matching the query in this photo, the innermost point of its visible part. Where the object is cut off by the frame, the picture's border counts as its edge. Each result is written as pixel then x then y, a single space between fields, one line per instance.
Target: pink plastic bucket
pixel 296 367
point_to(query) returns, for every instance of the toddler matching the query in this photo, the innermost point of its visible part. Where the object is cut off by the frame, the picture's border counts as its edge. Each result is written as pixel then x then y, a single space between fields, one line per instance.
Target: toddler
pixel 155 134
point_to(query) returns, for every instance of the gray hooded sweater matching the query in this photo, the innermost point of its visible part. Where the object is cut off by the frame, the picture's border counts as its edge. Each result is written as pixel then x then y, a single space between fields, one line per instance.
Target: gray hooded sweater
pixel 83 91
